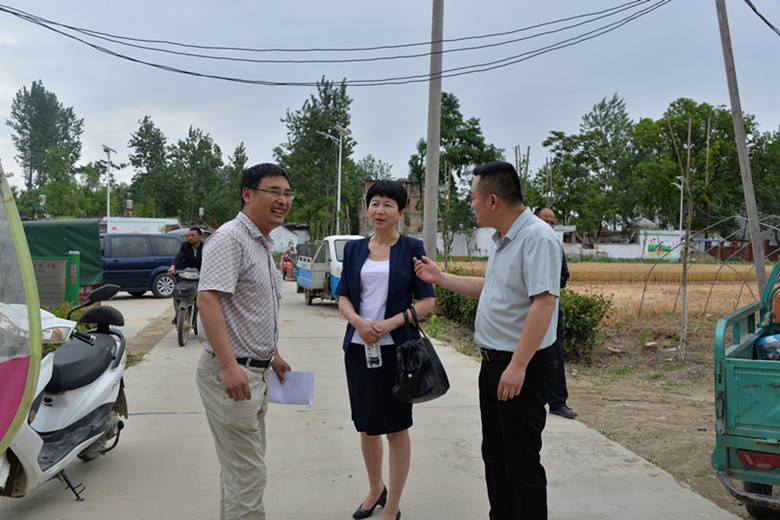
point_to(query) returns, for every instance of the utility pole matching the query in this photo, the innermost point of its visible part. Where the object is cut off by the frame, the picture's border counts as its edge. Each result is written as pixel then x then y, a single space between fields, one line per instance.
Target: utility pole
pixel 744 159
pixel 431 197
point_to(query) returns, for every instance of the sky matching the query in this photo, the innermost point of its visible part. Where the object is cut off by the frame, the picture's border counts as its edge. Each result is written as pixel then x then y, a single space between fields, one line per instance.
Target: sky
pixel 673 51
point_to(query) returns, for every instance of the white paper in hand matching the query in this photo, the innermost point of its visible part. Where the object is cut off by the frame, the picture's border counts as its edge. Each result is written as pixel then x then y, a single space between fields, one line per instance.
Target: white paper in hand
pixel 298 388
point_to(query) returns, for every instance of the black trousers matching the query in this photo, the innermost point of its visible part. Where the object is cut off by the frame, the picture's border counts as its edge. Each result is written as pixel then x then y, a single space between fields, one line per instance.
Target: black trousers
pixel 560 391
pixel 512 439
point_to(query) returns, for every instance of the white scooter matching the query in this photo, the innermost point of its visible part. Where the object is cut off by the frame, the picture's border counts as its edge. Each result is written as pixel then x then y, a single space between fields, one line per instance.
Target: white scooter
pixel 78 400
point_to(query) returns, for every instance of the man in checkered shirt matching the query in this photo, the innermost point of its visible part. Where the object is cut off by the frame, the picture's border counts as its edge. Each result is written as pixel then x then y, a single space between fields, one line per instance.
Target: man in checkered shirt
pixel 238 324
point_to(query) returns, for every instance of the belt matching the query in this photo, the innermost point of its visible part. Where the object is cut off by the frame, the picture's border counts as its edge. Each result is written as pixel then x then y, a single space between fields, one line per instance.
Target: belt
pixel 253 363
pixel 489 354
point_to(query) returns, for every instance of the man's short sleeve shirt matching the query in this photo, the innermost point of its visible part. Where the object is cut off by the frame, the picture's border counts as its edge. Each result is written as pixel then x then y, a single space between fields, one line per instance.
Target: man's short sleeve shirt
pixel 522 264
pixel 238 262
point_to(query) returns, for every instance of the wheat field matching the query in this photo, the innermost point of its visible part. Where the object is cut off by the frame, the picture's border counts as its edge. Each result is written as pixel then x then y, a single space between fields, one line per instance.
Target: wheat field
pixel 713 290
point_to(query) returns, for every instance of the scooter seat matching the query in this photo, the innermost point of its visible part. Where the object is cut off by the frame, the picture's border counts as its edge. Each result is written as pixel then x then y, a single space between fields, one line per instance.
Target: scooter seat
pixel 77 363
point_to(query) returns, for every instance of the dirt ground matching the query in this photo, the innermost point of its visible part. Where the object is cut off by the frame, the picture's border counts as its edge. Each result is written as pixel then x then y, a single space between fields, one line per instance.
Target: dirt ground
pixel 636 391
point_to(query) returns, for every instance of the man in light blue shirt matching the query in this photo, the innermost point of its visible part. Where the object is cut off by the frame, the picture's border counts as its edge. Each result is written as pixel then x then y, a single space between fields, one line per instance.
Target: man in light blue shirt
pixel 514 329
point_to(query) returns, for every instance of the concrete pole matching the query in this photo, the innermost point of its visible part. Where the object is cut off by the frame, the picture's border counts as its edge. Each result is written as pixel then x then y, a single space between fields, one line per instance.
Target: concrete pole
pixel 744 159
pixel 431 195
pixel 338 197
pixel 108 185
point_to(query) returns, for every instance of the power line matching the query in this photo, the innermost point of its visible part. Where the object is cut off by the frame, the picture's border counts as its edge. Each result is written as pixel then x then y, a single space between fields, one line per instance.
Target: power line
pixel 98 34
pixel 753 7
pixel 458 71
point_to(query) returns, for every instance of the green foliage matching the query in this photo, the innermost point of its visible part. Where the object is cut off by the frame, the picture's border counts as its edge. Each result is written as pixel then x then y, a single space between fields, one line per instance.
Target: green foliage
pixel 454 306
pixel 312 160
pixel 591 173
pixel 61 311
pixel 583 315
pixel 463 147
pixel 434 325
pixel 41 123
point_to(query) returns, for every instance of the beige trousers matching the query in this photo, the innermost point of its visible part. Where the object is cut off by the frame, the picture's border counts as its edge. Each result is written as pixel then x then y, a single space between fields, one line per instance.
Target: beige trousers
pixel 238 429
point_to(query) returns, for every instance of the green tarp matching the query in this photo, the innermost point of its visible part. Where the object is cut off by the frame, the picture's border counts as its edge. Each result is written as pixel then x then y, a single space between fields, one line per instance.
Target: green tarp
pixel 54 238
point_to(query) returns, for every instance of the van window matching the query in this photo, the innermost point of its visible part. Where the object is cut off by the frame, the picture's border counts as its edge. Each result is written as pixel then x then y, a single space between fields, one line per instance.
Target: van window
pixel 129 245
pixel 165 246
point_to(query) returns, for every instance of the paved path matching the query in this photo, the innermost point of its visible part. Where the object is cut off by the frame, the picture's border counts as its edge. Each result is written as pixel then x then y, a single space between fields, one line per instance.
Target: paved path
pixel 165 467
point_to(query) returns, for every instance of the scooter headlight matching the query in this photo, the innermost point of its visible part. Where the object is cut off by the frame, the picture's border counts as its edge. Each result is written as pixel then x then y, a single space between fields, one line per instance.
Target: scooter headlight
pixel 55 334
pixel 189 275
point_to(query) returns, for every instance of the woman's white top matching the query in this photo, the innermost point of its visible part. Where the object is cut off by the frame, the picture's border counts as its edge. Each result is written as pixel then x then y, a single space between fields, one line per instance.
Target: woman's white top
pixel 374 284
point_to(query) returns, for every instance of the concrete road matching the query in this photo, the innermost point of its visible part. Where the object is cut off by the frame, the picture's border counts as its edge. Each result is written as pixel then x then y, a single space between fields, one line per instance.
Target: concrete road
pixel 165 467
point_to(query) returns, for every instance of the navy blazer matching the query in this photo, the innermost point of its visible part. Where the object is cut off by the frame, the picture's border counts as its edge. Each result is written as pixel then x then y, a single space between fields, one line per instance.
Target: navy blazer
pixel 403 282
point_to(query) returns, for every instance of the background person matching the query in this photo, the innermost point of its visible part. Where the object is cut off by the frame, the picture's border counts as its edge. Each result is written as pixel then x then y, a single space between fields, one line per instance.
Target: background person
pixel 190 254
pixel 238 326
pixel 377 285
pixel 560 392
pixel 514 329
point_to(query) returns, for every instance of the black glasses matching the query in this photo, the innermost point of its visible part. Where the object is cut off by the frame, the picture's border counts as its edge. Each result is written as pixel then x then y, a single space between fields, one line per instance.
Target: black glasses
pixel 287 194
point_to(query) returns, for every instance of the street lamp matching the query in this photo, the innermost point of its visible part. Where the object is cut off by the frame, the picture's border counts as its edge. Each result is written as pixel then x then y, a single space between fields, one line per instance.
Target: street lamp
pixel 680 186
pixel 342 132
pixel 108 184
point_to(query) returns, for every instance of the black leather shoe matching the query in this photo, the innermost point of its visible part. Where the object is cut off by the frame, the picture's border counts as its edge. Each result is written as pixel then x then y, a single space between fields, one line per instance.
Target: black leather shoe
pixel 365 513
pixel 564 411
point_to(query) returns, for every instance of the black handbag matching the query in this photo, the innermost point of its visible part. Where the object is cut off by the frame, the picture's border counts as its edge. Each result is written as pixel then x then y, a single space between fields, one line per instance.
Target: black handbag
pixel 421 376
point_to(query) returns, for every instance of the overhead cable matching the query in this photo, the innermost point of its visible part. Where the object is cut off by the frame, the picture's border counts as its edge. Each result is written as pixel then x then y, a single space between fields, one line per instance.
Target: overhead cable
pixel 458 71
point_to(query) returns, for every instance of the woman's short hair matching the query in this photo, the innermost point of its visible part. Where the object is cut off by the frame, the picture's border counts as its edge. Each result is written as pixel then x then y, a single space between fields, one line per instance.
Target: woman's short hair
pixel 390 189
pixel 500 177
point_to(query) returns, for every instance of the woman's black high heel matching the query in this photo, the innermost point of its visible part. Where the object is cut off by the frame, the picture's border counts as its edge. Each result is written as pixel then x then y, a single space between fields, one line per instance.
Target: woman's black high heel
pixel 365 513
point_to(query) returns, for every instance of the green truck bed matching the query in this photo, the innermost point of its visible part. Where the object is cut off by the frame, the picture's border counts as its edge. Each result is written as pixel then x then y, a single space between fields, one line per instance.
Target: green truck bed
pixel 747 405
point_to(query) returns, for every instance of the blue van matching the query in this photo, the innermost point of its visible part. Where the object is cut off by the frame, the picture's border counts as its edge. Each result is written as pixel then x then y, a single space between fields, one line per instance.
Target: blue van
pixel 139 262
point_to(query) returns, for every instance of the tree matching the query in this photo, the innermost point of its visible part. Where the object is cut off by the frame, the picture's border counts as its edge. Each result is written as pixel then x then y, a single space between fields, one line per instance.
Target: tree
pixel 41 123
pixel 765 165
pixel 312 160
pixel 150 163
pixel 571 185
pixel 606 133
pixel 714 173
pixel 193 174
pixel 463 147
pixel 225 201
pixel 591 173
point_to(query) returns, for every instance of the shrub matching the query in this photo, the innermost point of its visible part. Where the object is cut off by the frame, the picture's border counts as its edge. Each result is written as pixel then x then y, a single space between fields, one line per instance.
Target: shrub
pixel 61 311
pixel 583 315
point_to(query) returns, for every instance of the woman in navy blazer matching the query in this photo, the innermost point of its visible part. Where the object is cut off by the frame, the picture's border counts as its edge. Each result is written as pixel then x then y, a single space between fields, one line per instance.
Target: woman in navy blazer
pixel 377 285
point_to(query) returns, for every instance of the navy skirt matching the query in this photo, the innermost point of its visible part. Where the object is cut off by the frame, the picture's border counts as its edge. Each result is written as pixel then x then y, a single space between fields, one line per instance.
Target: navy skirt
pixel 374 409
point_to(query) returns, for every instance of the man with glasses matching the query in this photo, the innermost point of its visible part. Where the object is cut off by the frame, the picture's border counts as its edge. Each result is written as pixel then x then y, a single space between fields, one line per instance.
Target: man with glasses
pixel 238 326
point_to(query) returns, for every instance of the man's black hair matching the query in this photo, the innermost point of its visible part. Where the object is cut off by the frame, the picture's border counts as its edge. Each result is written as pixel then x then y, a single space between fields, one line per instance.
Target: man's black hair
pixel 501 178
pixel 252 176
pixel 200 231
pixel 390 189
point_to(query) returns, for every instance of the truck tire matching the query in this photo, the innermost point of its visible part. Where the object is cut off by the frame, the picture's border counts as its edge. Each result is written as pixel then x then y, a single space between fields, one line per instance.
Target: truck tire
pixel 309 297
pixel 760 489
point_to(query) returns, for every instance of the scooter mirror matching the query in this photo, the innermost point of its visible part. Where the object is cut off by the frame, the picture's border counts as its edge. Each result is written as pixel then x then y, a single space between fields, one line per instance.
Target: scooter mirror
pixel 103 293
